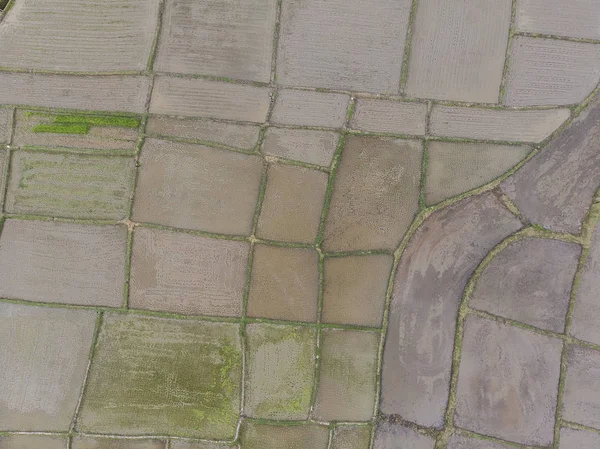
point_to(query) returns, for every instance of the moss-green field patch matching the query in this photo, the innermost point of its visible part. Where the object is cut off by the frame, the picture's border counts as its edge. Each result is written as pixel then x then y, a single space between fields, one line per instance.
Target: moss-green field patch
pixel 166 377
pixel 347 375
pixel 279 378
pixel 351 437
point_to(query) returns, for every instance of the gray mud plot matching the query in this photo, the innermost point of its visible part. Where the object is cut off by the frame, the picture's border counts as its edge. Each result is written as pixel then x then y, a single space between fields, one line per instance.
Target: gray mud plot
pixel 455 168
pixel 307 108
pixel 97 93
pixel 556 187
pixel 20 441
pixel 575 19
pixel 196 187
pixel 88 36
pixel 304 145
pixel 182 444
pixel 85 442
pixel 44 356
pixel 302 436
pixel 49 130
pixel 495 124
pixel 375 195
pixel 187 274
pixel 203 98
pixel 586 315
pixel 462 442
pixel 570 71
pixel 243 137
pixel 70 185
pixel 457 49
pixel 384 116
pixel 581 400
pixel 497 361
pixel 349 44
pixel 6 117
pixel 389 435
pixel 229 38
pixel 578 439
pixel 428 287
pixel 63 262
pixel 529 281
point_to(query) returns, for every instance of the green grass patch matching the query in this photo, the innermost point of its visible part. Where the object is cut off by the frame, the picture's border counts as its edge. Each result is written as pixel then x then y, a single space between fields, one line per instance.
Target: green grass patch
pixel 62 128
pixel 81 123
pixel 99 120
pixel 4 5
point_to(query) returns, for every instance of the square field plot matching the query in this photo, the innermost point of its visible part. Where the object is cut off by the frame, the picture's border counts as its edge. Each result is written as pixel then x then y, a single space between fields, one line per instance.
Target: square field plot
pixel 163 376
pixel 79 36
pixel 63 262
pixel 43 358
pixel 355 288
pixel 284 284
pixel 230 38
pixel 293 202
pixel 347 379
pixel 457 49
pixel 343 44
pixel 196 187
pixel 188 274
pixel 280 371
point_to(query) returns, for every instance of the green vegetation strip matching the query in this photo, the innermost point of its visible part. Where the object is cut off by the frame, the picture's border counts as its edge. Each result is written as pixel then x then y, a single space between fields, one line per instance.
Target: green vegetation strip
pixel 62 128
pixel 99 120
pixel 80 124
